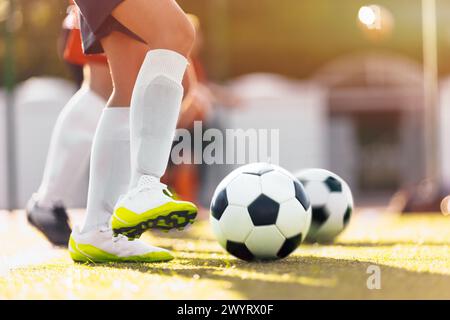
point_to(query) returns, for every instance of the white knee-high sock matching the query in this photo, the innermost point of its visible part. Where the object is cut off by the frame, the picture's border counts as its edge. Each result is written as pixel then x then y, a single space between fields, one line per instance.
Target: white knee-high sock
pixel 155 106
pixel 110 166
pixel 70 146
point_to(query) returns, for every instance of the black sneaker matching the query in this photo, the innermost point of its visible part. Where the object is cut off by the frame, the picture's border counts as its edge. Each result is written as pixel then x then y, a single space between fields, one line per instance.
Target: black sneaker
pixel 52 222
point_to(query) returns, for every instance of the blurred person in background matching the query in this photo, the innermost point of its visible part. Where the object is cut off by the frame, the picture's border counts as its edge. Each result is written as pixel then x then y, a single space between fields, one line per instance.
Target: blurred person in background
pixel 425 196
pixel 68 155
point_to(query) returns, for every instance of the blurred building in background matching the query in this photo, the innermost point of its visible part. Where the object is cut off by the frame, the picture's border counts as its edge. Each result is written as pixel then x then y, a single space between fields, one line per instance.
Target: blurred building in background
pixel 375 105
pixel 38 102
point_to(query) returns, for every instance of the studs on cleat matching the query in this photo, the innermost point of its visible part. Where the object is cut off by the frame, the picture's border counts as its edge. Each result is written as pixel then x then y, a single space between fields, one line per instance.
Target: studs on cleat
pixel 174 220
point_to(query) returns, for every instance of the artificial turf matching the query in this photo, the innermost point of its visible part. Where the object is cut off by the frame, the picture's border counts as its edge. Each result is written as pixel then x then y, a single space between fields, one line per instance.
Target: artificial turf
pixel 413 253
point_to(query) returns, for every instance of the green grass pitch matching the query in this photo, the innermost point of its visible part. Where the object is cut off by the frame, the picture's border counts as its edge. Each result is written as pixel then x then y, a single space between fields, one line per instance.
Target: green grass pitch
pixel 413 253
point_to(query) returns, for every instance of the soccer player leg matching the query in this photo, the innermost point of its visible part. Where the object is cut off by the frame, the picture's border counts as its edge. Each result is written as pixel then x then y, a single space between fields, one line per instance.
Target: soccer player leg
pixel 155 106
pixel 67 161
pixel 109 177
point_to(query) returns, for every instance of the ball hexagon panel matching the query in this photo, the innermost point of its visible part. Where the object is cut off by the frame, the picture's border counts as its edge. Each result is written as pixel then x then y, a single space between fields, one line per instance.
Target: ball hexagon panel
pixel 337 204
pixel 230 177
pixel 235 223
pixel 293 218
pixel 263 211
pixel 243 190
pixel 239 250
pixel 225 181
pixel 289 246
pixel 265 242
pixel 318 193
pixel 217 230
pixel 285 172
pixel 219 203
pixel 277 186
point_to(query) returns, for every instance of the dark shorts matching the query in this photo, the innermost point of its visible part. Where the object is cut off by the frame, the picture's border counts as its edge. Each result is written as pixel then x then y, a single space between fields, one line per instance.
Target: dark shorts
pixel 96 22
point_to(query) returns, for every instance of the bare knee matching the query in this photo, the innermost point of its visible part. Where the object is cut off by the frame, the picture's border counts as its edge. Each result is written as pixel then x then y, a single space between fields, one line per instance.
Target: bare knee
pixel 178 36
pixel 162 24
pixel 125 57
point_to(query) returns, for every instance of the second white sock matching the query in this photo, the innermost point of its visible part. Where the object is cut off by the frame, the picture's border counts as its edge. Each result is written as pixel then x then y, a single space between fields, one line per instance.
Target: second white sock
pixel 70 146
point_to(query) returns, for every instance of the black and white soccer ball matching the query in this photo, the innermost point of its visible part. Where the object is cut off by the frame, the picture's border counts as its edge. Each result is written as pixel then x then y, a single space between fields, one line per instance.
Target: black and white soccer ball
pixel 260 212
pixel 331 201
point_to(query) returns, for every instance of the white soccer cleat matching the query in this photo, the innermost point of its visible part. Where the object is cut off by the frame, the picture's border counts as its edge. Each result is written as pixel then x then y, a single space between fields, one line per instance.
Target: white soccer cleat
pixel 100 245
pixel 150 206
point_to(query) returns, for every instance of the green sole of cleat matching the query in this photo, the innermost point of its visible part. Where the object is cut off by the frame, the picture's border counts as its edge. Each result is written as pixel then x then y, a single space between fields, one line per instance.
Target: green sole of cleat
pixel 164 222
pixel 84 253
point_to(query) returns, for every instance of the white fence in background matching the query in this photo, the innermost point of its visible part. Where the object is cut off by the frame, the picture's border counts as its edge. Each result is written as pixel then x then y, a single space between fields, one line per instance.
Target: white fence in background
pixel 297 109
pixel 444 132
pixel 38 102
pixel 3 147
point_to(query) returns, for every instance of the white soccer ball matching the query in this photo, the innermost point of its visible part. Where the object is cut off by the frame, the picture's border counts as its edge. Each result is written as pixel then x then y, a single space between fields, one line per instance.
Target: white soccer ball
pixel 331 201
pixel 445 206
pixel 260 211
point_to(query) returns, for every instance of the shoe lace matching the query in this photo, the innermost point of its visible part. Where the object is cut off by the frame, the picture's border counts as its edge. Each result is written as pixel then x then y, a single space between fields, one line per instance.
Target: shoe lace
pixel 118 238
pixel 148 183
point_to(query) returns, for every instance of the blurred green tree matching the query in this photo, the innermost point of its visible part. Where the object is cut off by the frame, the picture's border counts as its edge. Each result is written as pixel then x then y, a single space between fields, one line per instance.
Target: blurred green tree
pixel 36 28
pixel 290 37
